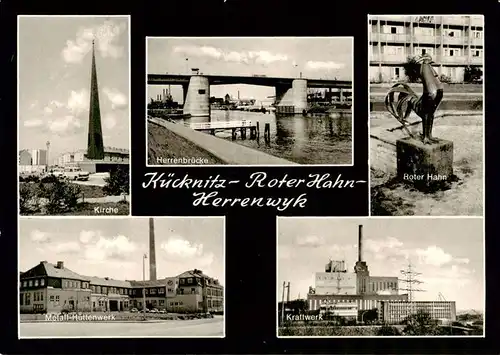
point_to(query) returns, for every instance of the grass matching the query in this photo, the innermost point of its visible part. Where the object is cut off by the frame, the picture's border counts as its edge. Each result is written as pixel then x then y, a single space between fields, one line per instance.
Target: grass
pixel 165 144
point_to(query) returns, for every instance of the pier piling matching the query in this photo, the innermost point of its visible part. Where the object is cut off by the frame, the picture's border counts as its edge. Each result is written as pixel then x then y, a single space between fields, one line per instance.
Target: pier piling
pixel 267 132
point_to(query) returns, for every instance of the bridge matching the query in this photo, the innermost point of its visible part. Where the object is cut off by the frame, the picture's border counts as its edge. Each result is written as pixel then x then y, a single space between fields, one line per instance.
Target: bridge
pixel 291 93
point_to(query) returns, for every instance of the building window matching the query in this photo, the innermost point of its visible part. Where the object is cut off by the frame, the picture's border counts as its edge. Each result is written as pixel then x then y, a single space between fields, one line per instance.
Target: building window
pixel 42 282
pixel 193 290
pixel 30 283
pixel 57 298
pixel 25 283
pixel 201 91
pixel 27 299
pixel 190 281
pixel 153 291
pixel 146 291
pixel 161 290
pixel 181 282
pixel 21 298
pixel 51 298
pixel 170 290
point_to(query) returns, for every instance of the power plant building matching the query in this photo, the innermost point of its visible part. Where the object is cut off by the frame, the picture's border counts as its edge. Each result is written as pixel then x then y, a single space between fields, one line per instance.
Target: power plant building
pixel 342 292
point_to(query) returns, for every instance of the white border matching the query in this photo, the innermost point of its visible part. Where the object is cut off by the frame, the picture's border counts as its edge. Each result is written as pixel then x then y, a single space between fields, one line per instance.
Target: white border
pixel 484 112
pixel 128 17
pixel 255 165
pixel 124 336
pixel 384 336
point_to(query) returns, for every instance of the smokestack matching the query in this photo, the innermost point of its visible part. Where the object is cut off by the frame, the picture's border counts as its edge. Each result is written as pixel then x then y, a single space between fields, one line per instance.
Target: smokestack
pixel 288 293
pixel 152 253
pixel 360 243
pixel 238 94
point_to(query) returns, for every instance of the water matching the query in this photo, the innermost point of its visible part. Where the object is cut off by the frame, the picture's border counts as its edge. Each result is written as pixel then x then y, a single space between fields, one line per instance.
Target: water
pixel 311 139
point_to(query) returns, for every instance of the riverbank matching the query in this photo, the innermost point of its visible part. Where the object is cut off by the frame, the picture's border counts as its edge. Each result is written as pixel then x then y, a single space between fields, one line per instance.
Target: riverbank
pixel 164 145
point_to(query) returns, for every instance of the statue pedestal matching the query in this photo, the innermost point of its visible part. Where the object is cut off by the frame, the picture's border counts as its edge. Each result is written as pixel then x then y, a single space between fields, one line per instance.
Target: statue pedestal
pixel 425 166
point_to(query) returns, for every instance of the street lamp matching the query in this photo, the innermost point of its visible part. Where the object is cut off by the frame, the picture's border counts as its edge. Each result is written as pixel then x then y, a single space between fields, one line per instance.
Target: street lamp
pixel 144 288
pixel 187 66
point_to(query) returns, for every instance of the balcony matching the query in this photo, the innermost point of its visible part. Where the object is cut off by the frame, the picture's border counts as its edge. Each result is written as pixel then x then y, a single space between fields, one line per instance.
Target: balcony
pixel 459 59
pixel 427 39
pixel 388 58
pixel 392 38
pixel 476 42
pixel 447 40
pixel 476 61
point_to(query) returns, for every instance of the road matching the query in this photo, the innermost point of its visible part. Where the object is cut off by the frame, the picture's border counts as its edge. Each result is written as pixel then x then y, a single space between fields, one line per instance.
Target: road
pixel 213 327
pixel 96 179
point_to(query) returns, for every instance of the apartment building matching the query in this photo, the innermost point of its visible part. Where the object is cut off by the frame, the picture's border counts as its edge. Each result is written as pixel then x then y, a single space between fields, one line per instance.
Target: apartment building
pixel 454 42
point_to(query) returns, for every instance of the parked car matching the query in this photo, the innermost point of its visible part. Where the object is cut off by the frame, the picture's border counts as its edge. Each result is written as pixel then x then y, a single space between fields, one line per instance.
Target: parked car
pixel 162 311
pixel 57 172
pixel 154 310
pixel 134 310
pixel 75 173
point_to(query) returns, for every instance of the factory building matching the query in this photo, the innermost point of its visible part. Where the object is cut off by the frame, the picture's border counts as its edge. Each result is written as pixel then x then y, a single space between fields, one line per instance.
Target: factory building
pixel 454 42
pixel 342 293
pixel 48 288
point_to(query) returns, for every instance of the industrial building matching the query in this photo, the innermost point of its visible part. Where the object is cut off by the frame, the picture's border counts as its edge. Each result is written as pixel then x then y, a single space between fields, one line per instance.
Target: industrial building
pixel 454 42
pixel 342 293
pixel 48 288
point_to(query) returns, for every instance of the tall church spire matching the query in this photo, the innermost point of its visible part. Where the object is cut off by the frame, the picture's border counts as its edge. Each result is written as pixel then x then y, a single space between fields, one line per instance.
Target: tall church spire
pixel 95 146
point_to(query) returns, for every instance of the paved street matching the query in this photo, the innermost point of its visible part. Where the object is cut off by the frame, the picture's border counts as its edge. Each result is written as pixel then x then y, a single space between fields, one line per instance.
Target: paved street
pixel 96 179
pixel 213 327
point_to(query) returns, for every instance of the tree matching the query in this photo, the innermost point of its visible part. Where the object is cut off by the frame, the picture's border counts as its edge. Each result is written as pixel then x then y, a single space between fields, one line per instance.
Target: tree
pixel 472 74
pixel 421 323
pixel 61 196
pixel 118 181
pixel 28 201
pixel 412 70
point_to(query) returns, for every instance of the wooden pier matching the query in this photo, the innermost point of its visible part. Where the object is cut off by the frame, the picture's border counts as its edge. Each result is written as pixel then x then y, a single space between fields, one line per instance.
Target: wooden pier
pixel 228 125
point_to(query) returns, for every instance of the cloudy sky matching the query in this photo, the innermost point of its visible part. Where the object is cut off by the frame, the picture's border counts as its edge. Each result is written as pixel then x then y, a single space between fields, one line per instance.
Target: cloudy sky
pixel 327 58
pixel 54 81
pixel 447 252
pixel 114 247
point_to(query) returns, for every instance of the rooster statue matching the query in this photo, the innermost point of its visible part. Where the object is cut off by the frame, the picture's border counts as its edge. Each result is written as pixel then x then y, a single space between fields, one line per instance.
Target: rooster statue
pixel 424 107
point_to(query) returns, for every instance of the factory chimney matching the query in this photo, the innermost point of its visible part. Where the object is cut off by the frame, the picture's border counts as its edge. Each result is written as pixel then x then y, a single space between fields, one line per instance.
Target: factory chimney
pixel 360 243
pixel 288 293
pixel 152 253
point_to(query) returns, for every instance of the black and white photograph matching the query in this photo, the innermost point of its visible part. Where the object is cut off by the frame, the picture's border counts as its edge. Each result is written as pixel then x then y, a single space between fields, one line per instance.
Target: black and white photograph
pixel 380 276
pixel 73 115
pixel 121 277
pixel 249 101
pixel 426 115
